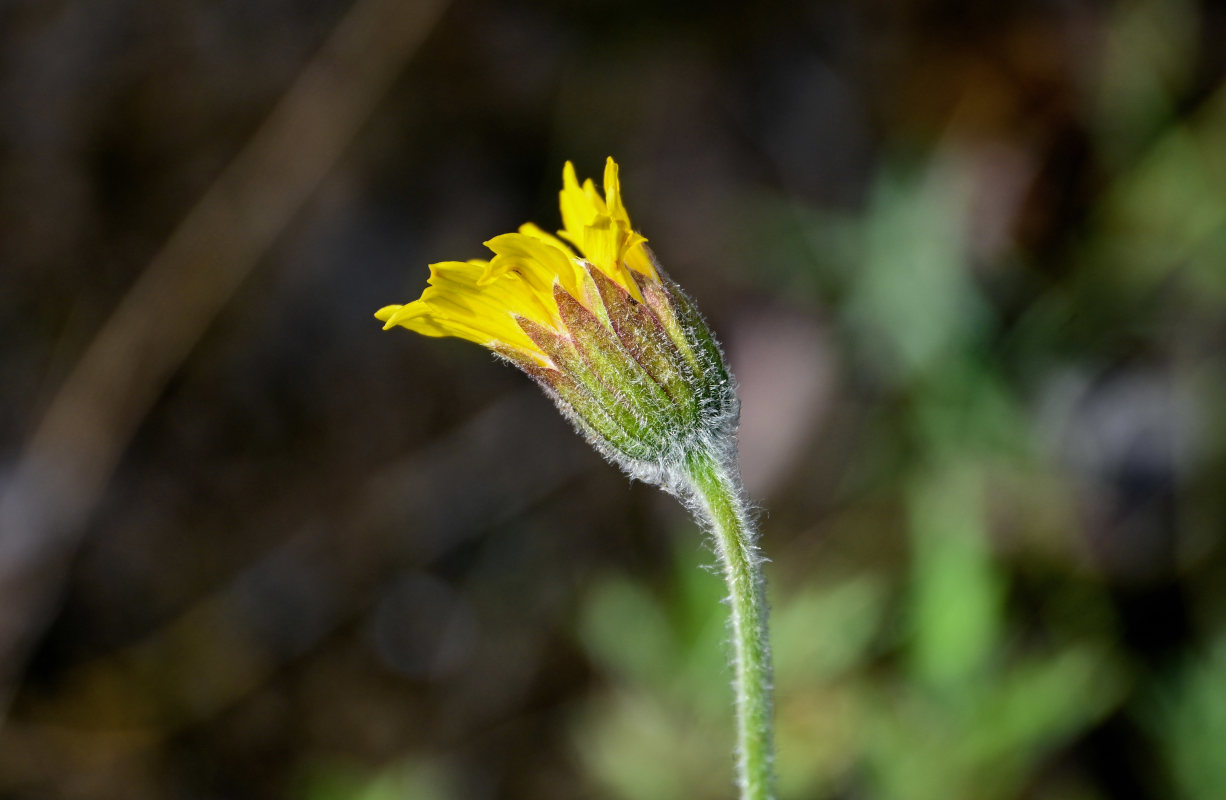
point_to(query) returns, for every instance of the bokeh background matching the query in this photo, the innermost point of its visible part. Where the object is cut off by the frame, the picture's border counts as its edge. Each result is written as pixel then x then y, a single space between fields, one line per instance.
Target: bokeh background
pixel 969 264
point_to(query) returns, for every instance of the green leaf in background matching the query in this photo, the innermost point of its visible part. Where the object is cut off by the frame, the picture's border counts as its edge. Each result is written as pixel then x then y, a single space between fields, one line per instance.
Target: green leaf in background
pixel 417 778
pixel 662 700
pixel 626 631
pixel 981 745
pixel 826 629
pixel 912 300
pixel 1167 214
pixel 956 602
pixel 1188 719
pixel 1147 61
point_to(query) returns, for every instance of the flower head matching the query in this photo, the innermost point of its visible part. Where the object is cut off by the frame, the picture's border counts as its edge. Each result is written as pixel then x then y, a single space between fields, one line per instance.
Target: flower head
pixel 592 317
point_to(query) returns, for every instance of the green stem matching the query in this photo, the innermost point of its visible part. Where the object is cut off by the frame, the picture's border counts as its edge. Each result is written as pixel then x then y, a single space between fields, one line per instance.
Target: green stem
pixel 717 493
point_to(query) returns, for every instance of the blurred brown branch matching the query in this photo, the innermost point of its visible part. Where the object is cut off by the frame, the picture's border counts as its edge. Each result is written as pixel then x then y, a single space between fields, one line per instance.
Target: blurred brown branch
pixel 69 458
pixel 230 642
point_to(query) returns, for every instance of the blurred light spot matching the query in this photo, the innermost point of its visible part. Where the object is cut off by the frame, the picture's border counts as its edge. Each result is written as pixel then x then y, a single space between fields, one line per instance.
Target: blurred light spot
pixel 785 369
pixel 1127 437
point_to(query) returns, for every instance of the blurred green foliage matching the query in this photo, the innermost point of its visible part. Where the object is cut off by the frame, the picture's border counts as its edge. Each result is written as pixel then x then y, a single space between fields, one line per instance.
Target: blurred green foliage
pixel 959 697
pixel 420 779
pixel 1188 717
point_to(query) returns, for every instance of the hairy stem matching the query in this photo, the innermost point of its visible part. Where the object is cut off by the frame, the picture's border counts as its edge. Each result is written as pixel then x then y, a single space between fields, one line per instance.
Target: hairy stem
pixel 717 493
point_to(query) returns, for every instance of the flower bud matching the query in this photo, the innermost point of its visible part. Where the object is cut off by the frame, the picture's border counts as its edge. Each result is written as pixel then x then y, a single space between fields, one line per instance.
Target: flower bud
pixel 617 344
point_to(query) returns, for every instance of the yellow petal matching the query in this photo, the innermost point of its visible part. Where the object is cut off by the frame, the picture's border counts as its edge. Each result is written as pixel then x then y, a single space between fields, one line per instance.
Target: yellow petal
pixel 453 305
pixel 637 259
pixel 385 313
pixel 529 229
pixel 577 210
pixel 600 245
pixel 633 254
pixel 593 197
pixel 613 194
pixel 435 318
pixel 537 261
pixel 481 300
pixel 605 244
pixel 499 299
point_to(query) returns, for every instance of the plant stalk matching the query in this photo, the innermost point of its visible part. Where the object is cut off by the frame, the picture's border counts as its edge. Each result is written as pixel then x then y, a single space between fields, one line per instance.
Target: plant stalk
pixel 717 493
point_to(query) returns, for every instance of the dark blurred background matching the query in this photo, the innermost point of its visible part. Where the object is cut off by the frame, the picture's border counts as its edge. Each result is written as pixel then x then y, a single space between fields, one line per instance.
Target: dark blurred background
pixel 969 264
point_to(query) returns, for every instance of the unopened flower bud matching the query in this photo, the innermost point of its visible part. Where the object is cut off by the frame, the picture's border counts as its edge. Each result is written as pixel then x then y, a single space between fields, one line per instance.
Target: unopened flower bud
pixel 618 345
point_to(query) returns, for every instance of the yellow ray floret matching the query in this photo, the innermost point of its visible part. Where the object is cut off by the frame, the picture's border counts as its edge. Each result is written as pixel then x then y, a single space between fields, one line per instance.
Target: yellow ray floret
pixel 480 300
pixel 455 305
pixel 600 227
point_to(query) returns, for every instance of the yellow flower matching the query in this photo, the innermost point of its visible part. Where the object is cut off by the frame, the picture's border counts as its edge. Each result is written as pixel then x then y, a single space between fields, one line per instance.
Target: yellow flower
pixel 596 322
pixel 483 301
pixel 627 358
